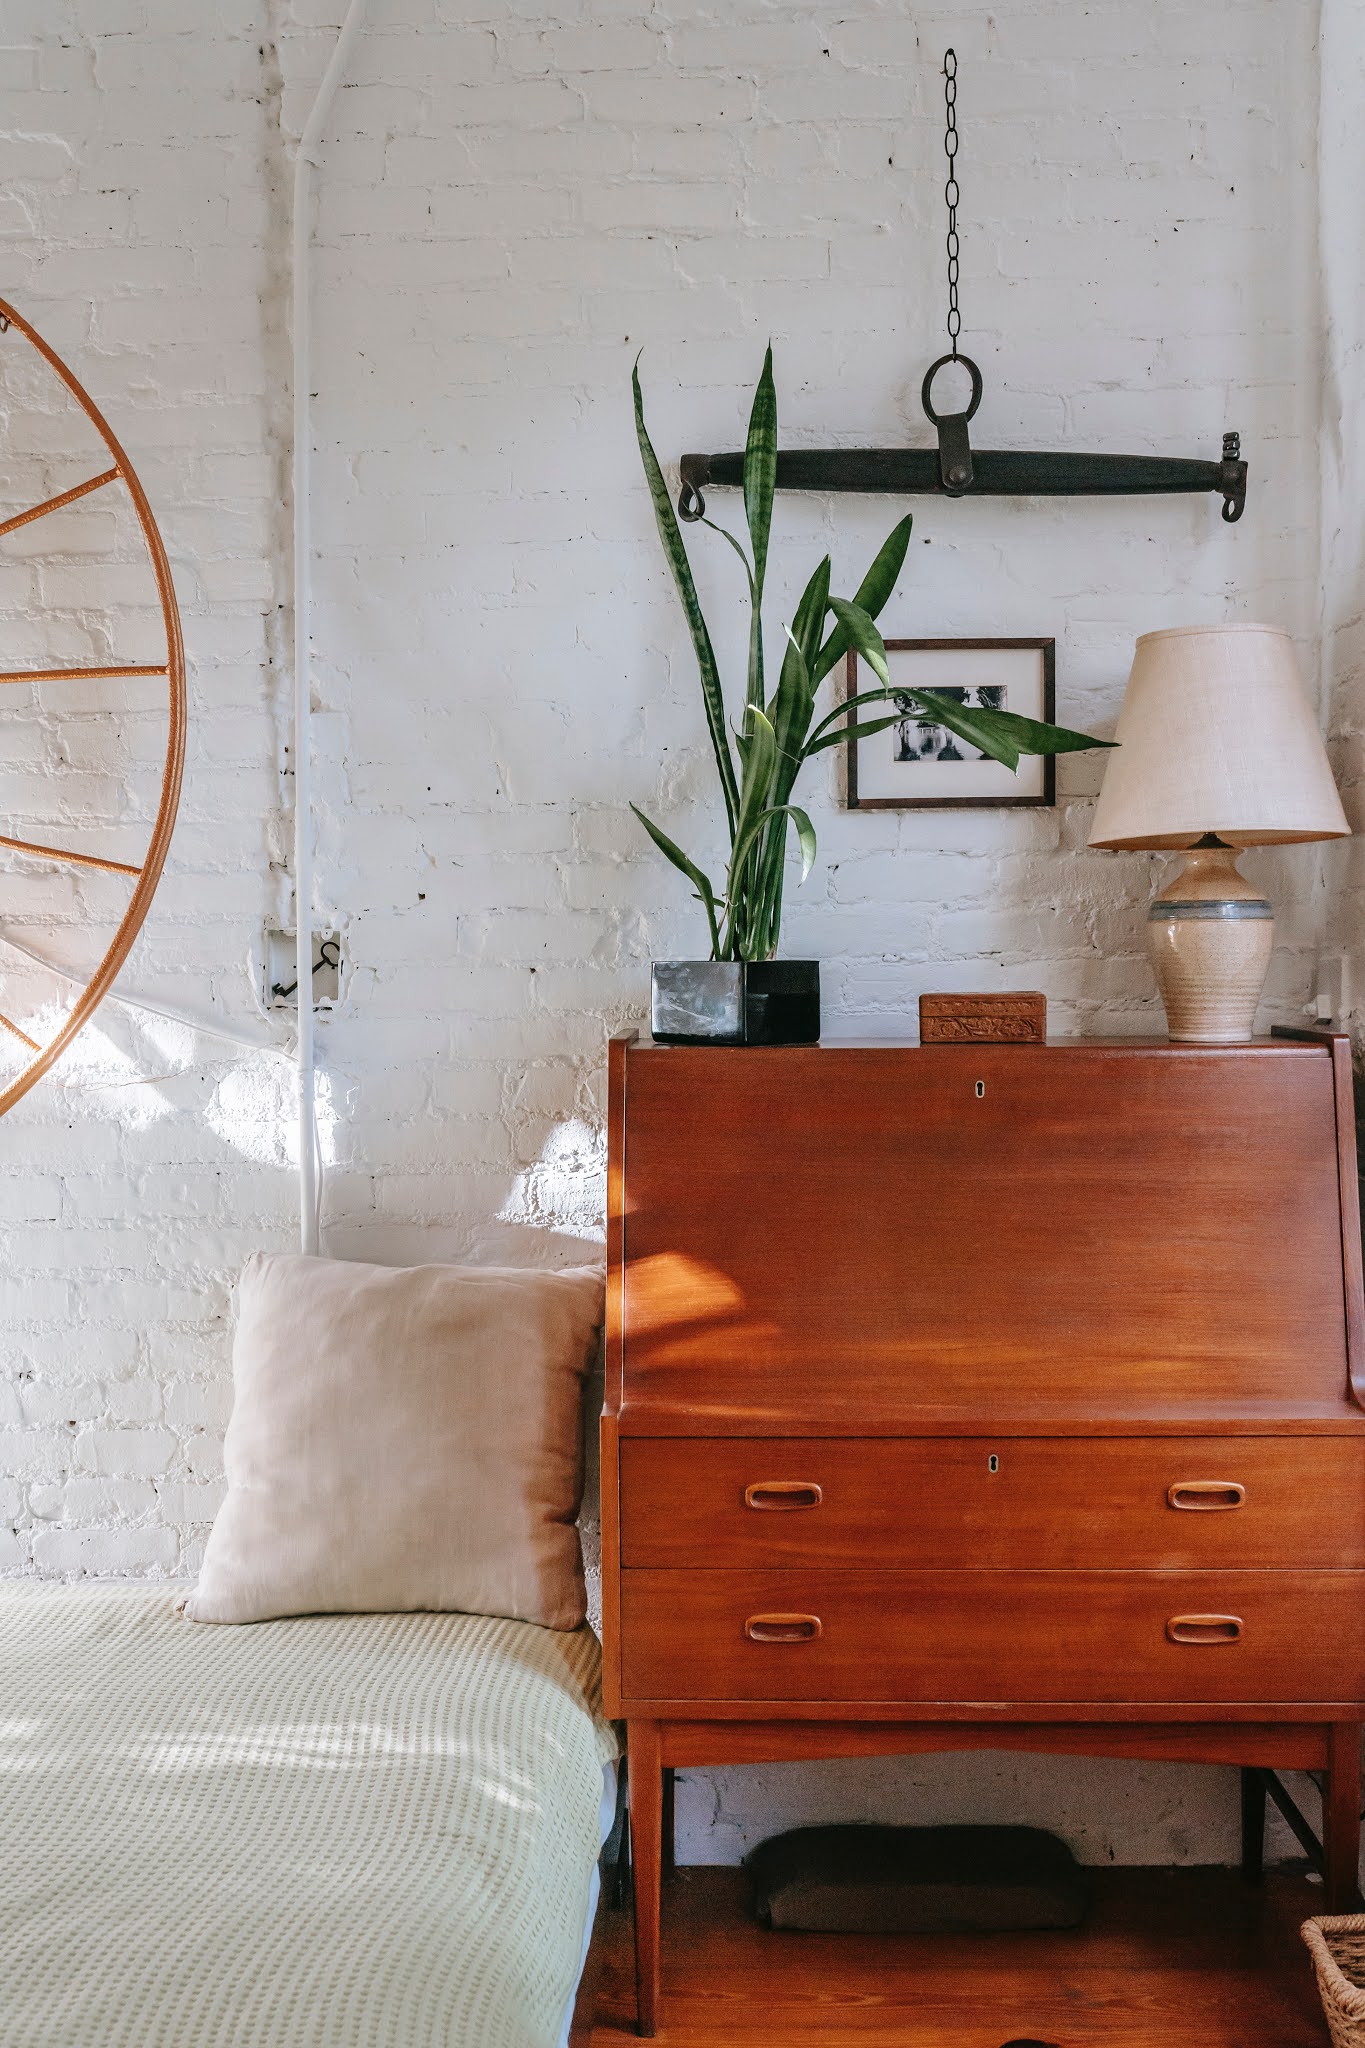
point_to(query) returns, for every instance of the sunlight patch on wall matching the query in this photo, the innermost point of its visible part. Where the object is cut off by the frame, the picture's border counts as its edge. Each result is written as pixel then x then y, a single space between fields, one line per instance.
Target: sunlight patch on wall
pixel 254 1109
pixel 566 1189
pixel 113 1083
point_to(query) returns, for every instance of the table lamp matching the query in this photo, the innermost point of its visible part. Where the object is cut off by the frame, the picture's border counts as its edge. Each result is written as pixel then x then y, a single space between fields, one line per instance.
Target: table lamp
pixel 1218 749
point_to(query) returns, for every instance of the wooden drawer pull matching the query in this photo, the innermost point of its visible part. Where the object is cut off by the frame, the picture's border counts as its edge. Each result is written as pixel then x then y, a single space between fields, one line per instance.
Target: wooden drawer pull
pixel 1205 1628
pixel 783 1494
pixel 1207 1496
pixel 782 1628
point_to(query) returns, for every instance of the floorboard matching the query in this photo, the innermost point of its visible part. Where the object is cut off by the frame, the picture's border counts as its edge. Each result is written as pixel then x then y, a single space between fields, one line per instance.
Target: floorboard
pixel 1167 1959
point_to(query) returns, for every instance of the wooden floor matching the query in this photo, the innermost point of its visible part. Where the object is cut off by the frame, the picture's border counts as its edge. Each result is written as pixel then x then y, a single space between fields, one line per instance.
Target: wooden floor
pixel 1167 1959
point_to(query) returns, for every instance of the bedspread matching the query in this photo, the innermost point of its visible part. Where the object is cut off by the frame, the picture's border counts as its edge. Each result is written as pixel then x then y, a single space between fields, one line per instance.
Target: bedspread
pixel 350 1831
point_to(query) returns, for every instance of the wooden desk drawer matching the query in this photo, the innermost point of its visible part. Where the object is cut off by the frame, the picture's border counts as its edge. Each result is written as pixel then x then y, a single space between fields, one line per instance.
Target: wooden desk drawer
pixel 992 1636
pixel 1160 1503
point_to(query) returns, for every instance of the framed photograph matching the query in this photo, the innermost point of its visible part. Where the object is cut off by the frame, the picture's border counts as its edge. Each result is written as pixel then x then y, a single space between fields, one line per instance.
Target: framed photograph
pixel 917 765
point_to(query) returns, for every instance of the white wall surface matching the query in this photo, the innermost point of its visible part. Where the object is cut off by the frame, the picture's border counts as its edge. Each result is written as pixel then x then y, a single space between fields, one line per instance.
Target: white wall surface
pixel 517 196
pixel 1341 159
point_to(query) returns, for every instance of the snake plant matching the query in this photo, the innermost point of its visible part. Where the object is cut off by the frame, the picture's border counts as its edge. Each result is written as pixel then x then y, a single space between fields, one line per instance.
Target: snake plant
pixel 778 732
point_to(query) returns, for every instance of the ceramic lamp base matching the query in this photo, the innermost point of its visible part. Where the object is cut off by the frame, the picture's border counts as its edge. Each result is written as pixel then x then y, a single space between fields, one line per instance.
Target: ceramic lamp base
pixel 1211 934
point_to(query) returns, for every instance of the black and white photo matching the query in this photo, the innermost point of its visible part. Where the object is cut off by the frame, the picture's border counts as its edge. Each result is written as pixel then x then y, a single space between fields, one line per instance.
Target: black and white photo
pixel 917 763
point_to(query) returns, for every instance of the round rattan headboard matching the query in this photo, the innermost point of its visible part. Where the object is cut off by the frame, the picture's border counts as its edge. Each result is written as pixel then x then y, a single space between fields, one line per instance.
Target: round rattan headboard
pixel 33 852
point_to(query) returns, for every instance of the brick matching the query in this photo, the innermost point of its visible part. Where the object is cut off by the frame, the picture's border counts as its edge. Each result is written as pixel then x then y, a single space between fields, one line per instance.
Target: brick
pixel 98 1552
pixel 131 1453
pixel 200 1403
pixel 33 1453
pixel 190 1506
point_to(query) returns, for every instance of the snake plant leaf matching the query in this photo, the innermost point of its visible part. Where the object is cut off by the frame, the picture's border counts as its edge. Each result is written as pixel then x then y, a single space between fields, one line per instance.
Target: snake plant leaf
pixel 805 834
pixel 1033 736
pixel 977 727
pixel 805 837
pixel 853 704
pixel 754 799
pixel 790 714
pixel 760 478
pixel 870 596
pixel 760 468
pixel 754 688
pixel 760 760
pixel 808 622
pixel 726 534
pixel 676 554
pixel 863 635
pixel 790 709
pixel 791 705
pixel 880 579
pixel 1004 735
pixel 700 881
pixel 852 732
pixel 745 896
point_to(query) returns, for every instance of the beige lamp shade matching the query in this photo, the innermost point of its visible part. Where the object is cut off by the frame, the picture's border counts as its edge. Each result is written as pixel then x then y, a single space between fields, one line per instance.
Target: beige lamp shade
pixel 1217 735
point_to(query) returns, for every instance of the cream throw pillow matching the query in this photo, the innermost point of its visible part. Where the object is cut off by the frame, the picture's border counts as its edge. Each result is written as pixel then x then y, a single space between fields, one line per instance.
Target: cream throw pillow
pixel 403 1438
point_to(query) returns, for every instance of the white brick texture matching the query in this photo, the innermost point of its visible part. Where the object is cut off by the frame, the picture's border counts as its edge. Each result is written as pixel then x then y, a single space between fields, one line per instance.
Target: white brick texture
pixel 518 195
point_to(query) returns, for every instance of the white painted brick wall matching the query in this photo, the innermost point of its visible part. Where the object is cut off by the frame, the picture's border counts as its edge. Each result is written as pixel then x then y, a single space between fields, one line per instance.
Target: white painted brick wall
pixel 518 195
pixel 1341 162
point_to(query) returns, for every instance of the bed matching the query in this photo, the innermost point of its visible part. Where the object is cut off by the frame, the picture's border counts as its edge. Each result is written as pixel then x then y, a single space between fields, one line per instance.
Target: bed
pixel 347 1831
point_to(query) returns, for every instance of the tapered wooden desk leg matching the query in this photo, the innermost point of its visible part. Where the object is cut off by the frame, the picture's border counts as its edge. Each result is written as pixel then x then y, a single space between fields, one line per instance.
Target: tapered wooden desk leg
pixel 646 1841
pixel 669 1824
pixel 1253 1824
pixel 1341 1817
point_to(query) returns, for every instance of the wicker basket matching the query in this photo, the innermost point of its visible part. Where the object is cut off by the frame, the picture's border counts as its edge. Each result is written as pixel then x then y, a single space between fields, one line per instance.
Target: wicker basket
pixel 1337 1946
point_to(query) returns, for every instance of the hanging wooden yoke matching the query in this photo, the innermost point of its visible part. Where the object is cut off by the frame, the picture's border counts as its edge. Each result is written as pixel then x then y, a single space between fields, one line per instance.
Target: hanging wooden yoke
pixel 955 469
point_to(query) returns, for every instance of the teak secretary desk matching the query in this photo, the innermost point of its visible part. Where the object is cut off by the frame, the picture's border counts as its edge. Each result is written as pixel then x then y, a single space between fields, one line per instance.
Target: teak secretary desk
pixel 1004 1397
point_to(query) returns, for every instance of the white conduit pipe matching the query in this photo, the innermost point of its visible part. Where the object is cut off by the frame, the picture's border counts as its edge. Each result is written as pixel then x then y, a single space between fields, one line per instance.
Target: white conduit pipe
pixel 310 1175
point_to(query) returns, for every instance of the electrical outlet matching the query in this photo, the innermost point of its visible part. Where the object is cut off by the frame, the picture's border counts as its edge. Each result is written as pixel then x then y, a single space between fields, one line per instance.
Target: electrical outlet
pixel 281 971
pixel 1331 990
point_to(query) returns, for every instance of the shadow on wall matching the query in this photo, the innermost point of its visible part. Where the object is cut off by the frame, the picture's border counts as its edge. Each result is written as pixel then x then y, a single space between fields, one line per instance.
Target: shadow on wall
pixel 134 1072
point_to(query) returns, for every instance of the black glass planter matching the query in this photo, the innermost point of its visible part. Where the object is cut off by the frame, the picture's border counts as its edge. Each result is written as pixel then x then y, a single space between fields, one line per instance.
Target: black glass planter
pixel 735 1002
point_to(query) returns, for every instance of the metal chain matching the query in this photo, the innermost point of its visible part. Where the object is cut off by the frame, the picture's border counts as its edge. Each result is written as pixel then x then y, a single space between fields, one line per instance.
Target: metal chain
pixel 950 190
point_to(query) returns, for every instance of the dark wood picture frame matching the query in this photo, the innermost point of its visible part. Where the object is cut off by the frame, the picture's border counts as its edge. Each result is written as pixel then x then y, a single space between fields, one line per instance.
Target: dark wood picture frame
pixel 1048 650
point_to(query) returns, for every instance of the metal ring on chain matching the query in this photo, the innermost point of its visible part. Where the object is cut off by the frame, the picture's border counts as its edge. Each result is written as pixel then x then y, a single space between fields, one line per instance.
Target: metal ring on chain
pixel 926 389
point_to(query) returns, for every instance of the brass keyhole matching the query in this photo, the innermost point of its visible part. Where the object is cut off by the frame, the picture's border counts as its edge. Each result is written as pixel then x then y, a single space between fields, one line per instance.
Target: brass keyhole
pixel 980 1090
pixel 992 1463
